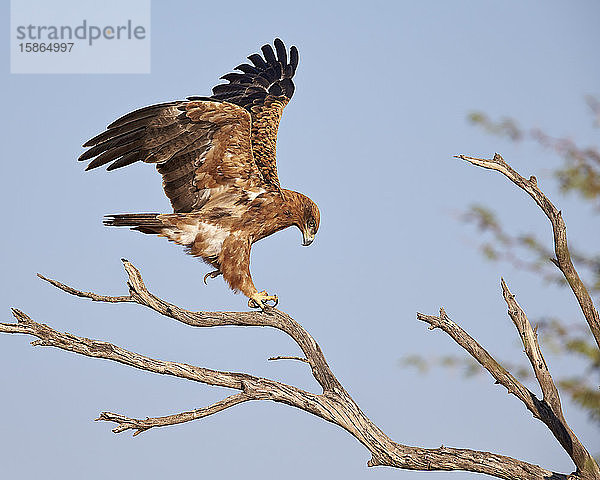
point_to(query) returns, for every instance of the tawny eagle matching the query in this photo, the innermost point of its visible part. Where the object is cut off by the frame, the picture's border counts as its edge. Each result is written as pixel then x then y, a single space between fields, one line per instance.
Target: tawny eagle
pixel 216 156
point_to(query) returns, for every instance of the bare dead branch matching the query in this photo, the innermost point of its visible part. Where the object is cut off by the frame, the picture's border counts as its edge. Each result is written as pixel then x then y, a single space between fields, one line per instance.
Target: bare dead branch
pixel 533 351
pixel 480 354
pixel 333 405
pixel 540 409
pixel 559 229
pixel 556 422
pixel 48 337
pixel 270 317
pixel 92 296
pixel 126 423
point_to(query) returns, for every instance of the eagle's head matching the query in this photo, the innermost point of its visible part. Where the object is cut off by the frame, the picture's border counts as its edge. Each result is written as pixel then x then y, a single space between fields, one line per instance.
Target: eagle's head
pixel 303 213
pixel 309 222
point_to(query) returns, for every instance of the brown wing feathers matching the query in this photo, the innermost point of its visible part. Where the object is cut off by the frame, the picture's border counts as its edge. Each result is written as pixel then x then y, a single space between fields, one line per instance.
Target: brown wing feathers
pixel 125 136
pixel 263 88
pixel 179 136
pixel 161 134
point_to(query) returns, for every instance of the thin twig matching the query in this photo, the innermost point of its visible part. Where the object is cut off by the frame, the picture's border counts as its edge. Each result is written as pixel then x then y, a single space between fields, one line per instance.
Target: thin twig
pixel 283 357
pixel 141 425
pixel 481 355
pixel 91 295
pixel 532 350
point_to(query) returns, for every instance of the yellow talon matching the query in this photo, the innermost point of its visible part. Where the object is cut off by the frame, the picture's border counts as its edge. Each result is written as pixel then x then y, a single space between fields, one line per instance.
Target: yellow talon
pixel 260 299
pixel 213 274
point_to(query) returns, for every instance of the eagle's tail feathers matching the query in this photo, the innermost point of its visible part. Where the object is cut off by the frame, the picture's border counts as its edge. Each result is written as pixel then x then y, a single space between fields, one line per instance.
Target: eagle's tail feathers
pixel 142 222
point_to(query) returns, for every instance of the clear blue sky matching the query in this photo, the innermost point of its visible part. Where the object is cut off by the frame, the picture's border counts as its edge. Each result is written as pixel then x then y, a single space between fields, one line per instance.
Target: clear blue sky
pixel 382 93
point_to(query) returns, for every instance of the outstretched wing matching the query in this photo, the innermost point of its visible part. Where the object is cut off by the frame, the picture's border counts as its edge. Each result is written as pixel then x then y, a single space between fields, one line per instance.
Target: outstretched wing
pixel 197 146
pixel 264 89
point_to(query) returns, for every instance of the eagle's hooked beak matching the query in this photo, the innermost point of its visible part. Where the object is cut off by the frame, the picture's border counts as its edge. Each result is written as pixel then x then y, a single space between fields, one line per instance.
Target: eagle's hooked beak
pixel 307 238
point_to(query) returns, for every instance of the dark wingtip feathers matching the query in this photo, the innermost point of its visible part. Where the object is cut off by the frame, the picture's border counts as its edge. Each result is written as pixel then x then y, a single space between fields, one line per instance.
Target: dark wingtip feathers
pixel 268 74
pixel 294 58
pixel 269 54
pixel 123 139
pixel 258 61
pixel 125 160
pixel 281 51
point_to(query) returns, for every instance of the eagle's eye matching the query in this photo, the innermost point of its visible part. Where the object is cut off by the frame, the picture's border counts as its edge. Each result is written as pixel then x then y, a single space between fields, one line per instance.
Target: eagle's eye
pixel 312 224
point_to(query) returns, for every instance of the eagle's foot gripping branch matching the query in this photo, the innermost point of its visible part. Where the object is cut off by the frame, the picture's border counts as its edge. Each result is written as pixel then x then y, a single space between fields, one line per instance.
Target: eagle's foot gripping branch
pixel 260 299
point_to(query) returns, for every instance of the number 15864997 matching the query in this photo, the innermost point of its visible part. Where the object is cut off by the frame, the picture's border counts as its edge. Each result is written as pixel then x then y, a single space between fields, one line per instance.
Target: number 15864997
pixel 52 47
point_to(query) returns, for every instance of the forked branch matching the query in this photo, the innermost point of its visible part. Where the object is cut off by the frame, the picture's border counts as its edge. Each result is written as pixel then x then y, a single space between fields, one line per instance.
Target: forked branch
pixel 559 230
pixel 548 410
pixel 126 423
